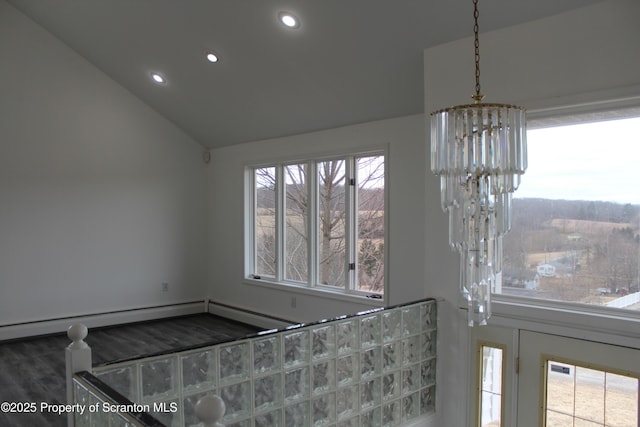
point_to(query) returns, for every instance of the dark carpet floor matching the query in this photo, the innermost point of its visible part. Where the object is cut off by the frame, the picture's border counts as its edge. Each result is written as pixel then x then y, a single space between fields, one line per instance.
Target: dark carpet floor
pixel 32 370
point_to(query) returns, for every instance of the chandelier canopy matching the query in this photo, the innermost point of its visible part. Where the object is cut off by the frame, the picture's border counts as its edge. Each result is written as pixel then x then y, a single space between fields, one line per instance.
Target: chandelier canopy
pixel 479 150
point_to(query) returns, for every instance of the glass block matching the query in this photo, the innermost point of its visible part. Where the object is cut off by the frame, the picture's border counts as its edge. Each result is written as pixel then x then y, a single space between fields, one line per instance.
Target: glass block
pixel 428 400
pixel 410 407
pixel 82 397
pixel 351 422
pixel 370 393
pixel 370 362
pixel 82 420
pixel 428 342
pixel 371 418
pixel 347 369
pixel 347 336
pixel 391 386
pixel 266 355
pixel 391 414
pixel 323 342
pixel 429 315
pixel 111 419
pixel 159 378
pixel 391 325
pixel 296 348
pixel 189 405
pixel 323 377
pixel 96 418
pixel 123 380
pixel 323 409
pixel 296 384
pixel 198 370
pixel 411 350
pixel 270 419
pixel 370 330
pixel 80 394
pixel 347 403
pixel 234 362
pixel 168 412
pixel 237 400
pixel 391 356
pixel 411 320
pixel 410 378
pixel 267 392
pixel 428 373
pixel 297 415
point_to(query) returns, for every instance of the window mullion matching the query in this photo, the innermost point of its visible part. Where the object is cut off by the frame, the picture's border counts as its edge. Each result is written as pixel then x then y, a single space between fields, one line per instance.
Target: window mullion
pixel 251 200
pixel 280 221
pixel 312 221
pixel 351 235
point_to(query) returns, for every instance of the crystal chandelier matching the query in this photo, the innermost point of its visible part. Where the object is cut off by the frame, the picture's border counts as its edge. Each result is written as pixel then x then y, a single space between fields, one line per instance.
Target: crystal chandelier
pixel 479 151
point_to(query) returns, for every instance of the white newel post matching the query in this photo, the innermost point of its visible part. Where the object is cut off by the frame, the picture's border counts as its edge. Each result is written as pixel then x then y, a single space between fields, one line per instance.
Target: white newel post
pixel 78 358
pixel 210 410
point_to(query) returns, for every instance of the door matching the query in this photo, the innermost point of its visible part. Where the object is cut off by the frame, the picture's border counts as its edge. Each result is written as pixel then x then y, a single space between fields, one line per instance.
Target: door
pixel 530 379
pixel 493 384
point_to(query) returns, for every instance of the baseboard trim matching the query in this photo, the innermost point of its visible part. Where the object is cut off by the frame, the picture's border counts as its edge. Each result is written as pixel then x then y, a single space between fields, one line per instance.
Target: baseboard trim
pixel 95 320
pixel 247 316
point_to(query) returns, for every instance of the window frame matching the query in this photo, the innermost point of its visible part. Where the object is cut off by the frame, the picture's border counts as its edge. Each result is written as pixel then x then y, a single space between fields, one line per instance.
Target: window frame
pixel 480 345
pixel 573 319
pixel 312 284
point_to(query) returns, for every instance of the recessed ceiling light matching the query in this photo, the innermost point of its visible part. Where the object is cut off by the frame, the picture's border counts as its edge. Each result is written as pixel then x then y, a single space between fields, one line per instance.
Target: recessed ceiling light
pixel 212 57
pixel 158 78
pixel 289 20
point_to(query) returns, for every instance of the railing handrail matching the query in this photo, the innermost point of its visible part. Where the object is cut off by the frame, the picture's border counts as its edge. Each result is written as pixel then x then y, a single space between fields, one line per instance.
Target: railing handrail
pixel 180 349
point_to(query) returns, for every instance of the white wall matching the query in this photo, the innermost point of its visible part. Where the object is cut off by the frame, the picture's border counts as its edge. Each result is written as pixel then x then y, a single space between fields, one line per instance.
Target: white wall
pixel 581 57
pixel 406 213
pixel 101 199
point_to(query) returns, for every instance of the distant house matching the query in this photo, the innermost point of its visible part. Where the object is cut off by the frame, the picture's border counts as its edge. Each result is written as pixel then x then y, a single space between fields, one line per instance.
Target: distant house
pixel 575 237
pixel 546 270
pixel 526 279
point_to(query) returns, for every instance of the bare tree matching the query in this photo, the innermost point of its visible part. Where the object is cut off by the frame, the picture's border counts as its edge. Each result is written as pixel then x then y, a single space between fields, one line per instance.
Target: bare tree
pixel 332 222
pixel 332 216
pixel 371 224
pixel 265 225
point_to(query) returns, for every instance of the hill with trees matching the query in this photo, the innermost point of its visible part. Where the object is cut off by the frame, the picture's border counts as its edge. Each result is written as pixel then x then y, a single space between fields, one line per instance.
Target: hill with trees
pixel 592 248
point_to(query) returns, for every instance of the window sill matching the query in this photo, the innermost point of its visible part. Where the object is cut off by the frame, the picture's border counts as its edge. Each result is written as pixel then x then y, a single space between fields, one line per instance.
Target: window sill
pixel 618 327
pixel 321 292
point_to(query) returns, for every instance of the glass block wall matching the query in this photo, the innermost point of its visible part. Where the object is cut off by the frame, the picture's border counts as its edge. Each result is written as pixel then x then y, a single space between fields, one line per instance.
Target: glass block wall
pixel 92 395
pixel 85 396
pixel 373 369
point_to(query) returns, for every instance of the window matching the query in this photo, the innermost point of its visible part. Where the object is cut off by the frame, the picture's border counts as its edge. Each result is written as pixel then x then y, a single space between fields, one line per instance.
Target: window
pixel 580 395
pixel 319 223
pixel 490 384
pixel 575 232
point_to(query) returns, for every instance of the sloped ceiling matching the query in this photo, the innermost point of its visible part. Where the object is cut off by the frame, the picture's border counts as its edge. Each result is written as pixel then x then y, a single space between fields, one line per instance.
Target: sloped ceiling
pixel 350 61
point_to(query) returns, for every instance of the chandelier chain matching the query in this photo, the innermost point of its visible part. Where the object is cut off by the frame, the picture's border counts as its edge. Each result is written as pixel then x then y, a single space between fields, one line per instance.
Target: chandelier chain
pixel 476 45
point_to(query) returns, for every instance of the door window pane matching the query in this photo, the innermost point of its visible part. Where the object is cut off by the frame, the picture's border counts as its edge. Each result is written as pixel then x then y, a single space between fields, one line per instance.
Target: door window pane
pixel 491 394
pixel 581 396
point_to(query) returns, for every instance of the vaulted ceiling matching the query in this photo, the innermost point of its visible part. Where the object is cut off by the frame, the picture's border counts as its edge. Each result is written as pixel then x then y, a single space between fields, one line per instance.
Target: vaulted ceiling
pixel 349 61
